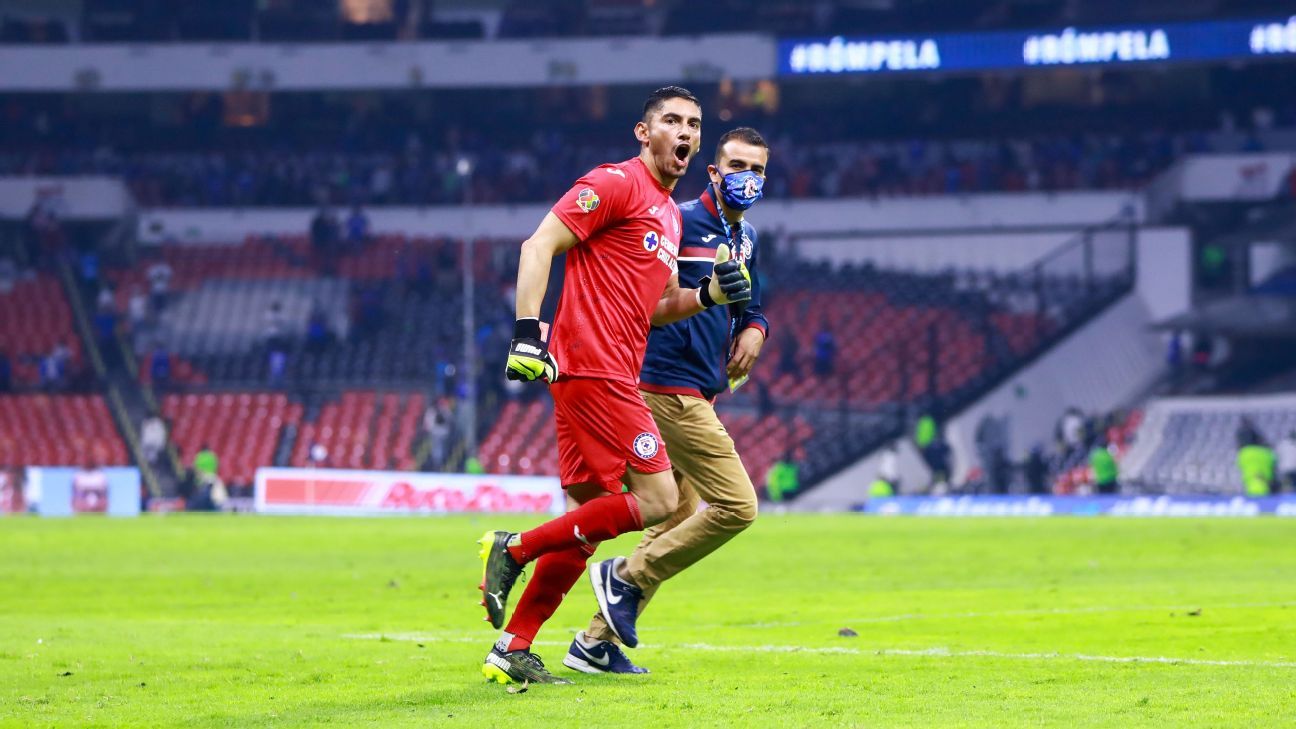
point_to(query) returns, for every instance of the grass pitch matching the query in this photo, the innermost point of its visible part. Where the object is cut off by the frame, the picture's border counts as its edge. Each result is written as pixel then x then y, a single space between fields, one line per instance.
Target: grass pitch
pixel 236 621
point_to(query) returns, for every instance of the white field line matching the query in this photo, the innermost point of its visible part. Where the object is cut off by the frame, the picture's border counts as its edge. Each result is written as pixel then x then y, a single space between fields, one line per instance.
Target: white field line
pixel 995 614
pixel 922 653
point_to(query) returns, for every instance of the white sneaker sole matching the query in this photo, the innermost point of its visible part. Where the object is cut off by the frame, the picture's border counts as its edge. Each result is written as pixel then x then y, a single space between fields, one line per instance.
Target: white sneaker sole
pixel 579 664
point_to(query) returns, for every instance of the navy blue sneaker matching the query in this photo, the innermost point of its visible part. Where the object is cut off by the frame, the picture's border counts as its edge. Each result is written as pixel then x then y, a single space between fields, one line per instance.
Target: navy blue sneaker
pixel 618 600
pixel 604 657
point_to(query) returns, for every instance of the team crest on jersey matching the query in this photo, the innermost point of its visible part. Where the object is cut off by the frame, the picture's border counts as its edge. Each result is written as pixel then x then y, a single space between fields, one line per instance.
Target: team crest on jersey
pixel 745 248
pixel 651 241
pixel 587 200
pixel 645 445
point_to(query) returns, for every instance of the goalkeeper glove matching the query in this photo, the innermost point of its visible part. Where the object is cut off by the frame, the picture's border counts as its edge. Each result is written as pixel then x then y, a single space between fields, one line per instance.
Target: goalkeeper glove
pixel 529 359
pixel 728 283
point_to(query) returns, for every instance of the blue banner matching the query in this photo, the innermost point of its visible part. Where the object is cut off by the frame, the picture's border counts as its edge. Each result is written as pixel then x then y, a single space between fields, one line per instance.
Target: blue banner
pixel 1140 506
pixel 66 491
pixel 1165 43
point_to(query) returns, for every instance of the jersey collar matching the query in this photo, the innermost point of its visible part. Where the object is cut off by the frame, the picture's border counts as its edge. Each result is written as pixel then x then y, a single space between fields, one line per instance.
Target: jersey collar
pixel 709 201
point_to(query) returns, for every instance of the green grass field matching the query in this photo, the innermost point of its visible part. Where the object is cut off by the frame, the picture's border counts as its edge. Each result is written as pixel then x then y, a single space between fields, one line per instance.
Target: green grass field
pixel 237 621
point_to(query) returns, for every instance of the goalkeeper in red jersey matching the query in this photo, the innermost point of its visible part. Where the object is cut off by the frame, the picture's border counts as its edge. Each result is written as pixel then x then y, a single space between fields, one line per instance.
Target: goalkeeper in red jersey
pixel 621 231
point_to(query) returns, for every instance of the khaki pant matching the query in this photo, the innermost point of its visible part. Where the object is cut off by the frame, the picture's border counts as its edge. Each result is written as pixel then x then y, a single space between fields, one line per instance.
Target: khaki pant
pixel 706 467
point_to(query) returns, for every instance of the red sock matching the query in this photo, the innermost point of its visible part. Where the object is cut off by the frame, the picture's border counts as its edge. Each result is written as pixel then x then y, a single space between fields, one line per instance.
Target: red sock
pixel 555 573
pixel 594 521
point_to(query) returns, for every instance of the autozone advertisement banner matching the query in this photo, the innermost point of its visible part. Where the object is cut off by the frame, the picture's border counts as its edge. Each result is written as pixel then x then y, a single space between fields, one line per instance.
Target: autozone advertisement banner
pixel 369 493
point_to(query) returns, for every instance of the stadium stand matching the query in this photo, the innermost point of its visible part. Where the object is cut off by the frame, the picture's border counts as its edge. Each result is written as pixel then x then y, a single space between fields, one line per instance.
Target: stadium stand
pixel 1190 445
pixel 34 320
pixel 242 428
pixel 364 430
pixel 58 430
pixel 392 313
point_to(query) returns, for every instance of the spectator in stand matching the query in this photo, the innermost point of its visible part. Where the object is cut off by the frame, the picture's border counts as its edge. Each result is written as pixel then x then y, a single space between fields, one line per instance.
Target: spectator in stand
pixel 357 229
pixel 934 450
pixel 1037 471
pixel 1247 433
pixel 318 334
pixel 887 483
pixel 1174 356
pixel 825 354
pixel 211 494
pixel 473 466
pixel 782 479
pixel 275 322
pixel 1256 461
pixel 789 348
pixel 317 456
pixel 324 239
pixel 106 300
pixel 6 371
pixel 277 367
pixel 88 268
pixel 765 405
pixel 437 424
pixel 46 239
pixel 992 448
pixel 1105 470
pixel 159 276
pixel 1287 463
pixel 370 316
pixel 105 322
pixel 206 463
pixel 1072 428
pixel 160 365
pixel 137 307
pixel 54 367
pixel 153 437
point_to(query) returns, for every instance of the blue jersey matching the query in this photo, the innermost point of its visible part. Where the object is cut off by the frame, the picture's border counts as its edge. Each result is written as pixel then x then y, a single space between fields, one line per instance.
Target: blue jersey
pixel 689 357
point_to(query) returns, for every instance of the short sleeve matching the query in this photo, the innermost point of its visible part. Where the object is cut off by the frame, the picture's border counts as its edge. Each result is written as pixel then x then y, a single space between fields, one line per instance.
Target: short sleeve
pixel 597 201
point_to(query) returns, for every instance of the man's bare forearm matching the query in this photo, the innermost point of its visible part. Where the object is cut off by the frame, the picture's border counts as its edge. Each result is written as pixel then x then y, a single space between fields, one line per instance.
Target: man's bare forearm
pixel 676 305
pixel 533 279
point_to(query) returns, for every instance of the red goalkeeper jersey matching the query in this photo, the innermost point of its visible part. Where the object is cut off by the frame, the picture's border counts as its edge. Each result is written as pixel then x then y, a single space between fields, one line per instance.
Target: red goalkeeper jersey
pixel 629 230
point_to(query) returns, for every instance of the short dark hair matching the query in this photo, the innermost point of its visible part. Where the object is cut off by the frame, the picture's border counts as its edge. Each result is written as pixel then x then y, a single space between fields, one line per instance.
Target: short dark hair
pixel 742 134
pixel 659 97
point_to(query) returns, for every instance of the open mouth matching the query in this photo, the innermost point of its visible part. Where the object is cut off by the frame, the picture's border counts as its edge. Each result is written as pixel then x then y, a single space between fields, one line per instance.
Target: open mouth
pixel 682 152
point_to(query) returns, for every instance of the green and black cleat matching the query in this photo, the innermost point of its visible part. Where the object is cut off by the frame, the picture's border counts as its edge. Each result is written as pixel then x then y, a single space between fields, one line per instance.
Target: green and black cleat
pixel 499 572
pixel 517 667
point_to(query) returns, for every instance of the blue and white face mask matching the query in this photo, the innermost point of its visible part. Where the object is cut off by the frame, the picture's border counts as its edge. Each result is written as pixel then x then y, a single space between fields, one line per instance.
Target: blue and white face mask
pixel 741 189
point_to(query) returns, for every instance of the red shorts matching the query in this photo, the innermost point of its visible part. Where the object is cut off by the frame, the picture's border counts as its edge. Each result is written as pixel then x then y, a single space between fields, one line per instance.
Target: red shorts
pixel 604 426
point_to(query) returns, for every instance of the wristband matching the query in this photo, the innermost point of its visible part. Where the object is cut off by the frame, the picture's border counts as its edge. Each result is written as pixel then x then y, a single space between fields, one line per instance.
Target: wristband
pixel 704 295
pixel 527 328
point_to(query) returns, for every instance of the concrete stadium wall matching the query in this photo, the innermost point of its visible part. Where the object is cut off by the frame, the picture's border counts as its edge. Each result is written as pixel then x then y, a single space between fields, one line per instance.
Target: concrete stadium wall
pixel 935 252
pixel 796 217
pixel 81 197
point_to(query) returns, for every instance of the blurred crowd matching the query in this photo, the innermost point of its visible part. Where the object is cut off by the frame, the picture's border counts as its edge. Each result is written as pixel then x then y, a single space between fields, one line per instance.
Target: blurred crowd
pixel 310 20
pixel 419 175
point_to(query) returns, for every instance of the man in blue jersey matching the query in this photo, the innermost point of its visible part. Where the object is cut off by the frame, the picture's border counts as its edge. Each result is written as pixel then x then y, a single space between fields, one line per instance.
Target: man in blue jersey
pixel 686 366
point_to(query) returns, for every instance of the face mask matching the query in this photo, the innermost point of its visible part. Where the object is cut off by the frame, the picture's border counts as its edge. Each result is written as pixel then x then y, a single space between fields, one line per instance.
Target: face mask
pixel 741 189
